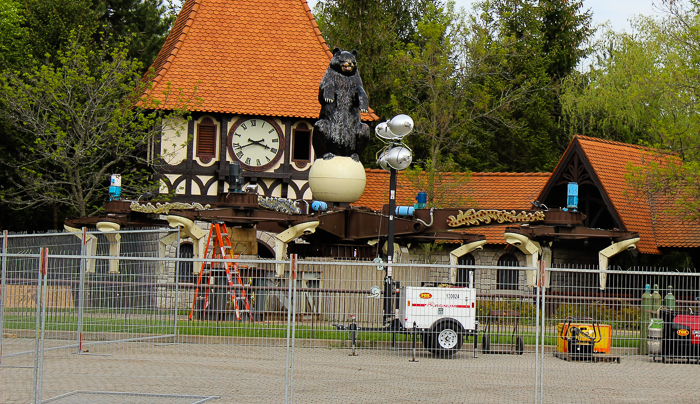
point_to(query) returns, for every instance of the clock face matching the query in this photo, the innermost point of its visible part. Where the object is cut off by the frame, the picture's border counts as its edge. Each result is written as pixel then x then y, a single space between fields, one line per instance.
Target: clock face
pixel 256 143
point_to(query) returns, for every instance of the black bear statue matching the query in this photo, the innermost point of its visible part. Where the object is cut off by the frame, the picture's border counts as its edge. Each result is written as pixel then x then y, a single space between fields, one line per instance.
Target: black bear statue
pixel 340 131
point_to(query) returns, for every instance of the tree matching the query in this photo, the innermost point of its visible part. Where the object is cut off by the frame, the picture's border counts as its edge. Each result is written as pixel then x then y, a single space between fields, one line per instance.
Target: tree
pixel 144 24
pixel 644 89
pixel 623 94
pixel 81 125
pixel 12 33
pixel 431 86
pixel 546 41
pixel 445 82
pixel 48 25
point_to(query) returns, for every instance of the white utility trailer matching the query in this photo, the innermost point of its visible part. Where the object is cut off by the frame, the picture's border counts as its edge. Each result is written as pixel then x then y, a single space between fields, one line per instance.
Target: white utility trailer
pixel 443 316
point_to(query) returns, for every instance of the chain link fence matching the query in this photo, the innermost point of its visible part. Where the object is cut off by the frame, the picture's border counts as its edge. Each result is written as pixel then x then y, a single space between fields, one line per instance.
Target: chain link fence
pixel 128 317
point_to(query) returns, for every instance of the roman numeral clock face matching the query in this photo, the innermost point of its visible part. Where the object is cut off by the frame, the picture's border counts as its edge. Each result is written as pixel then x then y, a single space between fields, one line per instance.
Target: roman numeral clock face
pixel 256 143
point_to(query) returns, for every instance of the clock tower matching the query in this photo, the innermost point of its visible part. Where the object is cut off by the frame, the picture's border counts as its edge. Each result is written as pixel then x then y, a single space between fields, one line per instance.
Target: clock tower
pixel 253 81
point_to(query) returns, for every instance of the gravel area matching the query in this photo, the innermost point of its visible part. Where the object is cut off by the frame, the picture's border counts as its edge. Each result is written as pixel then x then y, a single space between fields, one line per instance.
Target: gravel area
pixel 148 372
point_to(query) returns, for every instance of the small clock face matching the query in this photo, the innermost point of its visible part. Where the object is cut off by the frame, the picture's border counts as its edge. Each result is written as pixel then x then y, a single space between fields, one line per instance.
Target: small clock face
pixel 256 143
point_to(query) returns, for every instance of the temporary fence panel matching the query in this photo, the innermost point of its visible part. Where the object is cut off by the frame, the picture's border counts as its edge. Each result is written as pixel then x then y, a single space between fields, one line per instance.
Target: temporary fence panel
pixel 318 331
pixel 598 337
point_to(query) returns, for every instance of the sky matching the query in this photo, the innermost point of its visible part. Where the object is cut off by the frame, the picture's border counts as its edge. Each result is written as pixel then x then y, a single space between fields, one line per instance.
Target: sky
pixel 618 12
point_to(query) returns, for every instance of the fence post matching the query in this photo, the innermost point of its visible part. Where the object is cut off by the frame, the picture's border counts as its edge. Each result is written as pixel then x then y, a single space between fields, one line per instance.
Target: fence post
pixel 289 369
pixel 3 288
pixel 81 289
pixel 537 336
pixel 543 279
pixel 294 322
pixel 40 324
pixel 177 281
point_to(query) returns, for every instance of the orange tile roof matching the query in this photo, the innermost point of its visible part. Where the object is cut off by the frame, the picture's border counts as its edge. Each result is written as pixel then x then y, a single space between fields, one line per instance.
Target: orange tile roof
pixel 639 212
pixel 247 57
pixel 475 190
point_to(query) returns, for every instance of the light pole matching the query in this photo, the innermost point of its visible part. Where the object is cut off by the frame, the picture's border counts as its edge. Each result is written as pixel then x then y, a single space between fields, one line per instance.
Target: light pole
pixel 394 157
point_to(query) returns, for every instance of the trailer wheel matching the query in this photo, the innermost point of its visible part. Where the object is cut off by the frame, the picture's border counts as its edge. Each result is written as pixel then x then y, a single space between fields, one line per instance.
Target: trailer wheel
pixel 447 340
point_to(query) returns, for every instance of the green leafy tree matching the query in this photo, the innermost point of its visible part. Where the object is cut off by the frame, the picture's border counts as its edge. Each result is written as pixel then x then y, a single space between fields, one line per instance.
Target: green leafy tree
pixel 623 95
pixel 81 125
pixel 12 33
pixel 546 40
pixel 445 82
pixel 643 89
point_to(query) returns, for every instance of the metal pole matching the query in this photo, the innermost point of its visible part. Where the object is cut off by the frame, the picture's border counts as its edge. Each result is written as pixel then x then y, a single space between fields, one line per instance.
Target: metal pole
pixel 388 293
pixel 81 290
pixel 44 270
pixel 39 326
pixel 413 342
pixel 544 289
pixel 289 327
pixel 537 334
pixel 177 281
pixel 3 288
pixel 37 318
pixel 294 322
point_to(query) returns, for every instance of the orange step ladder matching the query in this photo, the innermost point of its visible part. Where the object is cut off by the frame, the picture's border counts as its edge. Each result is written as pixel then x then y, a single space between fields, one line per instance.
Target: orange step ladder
pixel 222 249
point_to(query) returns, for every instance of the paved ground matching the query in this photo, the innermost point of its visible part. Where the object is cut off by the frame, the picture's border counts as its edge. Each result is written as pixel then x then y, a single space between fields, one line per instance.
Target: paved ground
pixel 188 373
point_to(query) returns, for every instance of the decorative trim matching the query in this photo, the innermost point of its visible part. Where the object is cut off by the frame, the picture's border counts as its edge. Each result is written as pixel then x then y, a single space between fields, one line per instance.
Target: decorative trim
pixel 166 207
pixel 473 217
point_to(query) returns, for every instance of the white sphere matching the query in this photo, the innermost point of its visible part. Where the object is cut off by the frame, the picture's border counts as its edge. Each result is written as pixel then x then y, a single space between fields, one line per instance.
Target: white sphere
pixel 340 179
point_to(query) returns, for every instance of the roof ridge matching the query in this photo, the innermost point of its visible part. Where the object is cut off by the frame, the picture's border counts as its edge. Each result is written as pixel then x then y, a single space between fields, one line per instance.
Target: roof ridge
pixel 500 174
pixel 174 41
pixel 366 116
pixel 628 145
pixel 317 30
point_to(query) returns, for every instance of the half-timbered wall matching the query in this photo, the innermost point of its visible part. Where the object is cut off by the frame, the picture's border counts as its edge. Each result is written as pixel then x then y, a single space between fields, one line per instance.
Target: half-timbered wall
pixel 197 154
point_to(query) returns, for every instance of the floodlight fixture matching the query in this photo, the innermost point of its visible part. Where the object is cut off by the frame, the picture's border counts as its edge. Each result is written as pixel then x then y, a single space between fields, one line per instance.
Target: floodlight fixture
pixel 401 125
pixel 399 157
pixel 382 161
pixel 382 130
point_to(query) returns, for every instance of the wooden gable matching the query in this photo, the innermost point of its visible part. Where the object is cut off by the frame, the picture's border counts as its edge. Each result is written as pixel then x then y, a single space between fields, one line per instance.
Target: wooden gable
pixel 600 166
pixel 593 201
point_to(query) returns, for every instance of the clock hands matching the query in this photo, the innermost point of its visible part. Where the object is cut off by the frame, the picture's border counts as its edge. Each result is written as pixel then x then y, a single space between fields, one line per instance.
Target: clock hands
pixel 257 142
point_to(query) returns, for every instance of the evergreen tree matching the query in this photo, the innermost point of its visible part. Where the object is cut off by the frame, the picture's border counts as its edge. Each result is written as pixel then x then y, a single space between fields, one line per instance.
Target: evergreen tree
pixel 143 24
pixel 375 28
pixel 545 40
pixel 49 23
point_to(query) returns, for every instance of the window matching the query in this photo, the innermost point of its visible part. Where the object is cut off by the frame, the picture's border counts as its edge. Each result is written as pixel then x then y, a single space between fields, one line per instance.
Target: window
pixel 463 273
pixel 206 140
pixel 301 145
pixel 507 278
pixel 185 269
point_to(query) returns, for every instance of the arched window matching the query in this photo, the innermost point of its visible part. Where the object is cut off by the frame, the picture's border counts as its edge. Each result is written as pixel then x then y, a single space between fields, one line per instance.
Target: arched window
pixel 463 273
pixel 185 269
pixel 507 278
